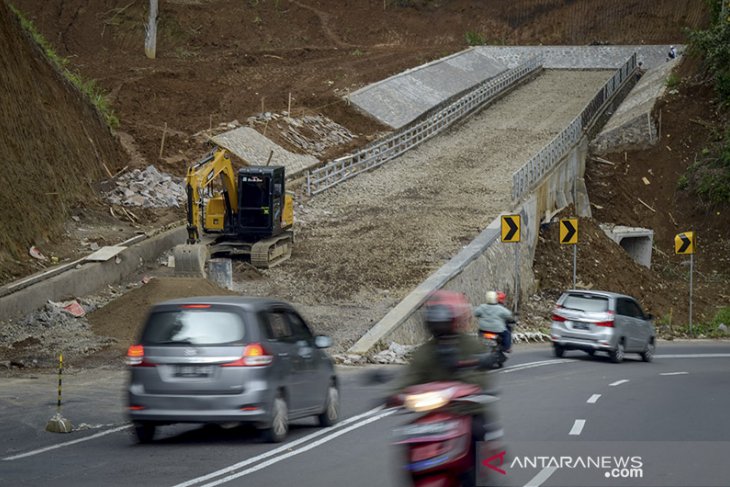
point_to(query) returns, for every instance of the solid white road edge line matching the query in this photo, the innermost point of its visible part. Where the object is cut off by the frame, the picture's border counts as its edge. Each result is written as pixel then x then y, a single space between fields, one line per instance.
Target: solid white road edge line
pixel 695 355
pixel 311 446
pixel 674 373
pixel 593 399
pixel 541 477
pixel 67 443
pixel 283 448
pixel 618 382
pixel 531 365
pixel 577 427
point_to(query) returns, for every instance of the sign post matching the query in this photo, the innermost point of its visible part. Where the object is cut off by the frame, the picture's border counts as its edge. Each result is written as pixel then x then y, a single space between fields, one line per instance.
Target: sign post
pixel 511 234
pixel 569 236
pixel 684 243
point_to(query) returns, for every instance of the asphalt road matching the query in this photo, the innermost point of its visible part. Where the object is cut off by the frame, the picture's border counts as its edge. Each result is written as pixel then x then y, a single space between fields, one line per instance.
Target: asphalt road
pixel 665 412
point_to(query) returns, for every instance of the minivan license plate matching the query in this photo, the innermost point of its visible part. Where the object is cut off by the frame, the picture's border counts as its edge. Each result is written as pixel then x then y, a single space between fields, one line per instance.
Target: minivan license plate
pixel 192 371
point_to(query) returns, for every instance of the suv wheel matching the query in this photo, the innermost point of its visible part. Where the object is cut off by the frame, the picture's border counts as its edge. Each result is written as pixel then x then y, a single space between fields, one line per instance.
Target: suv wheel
pixel 331 413
pixel 145 432
pixel 648 354
pixel 558 351
pixel 279 421
pixel 617 355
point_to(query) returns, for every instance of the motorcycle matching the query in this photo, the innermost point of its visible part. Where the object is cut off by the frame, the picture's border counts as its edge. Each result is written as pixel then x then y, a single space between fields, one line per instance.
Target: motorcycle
pixel 437 444
pixel 495 346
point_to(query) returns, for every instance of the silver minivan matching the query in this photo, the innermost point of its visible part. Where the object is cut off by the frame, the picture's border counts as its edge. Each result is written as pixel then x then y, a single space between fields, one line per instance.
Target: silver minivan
pixel 594 321
pixel 229 360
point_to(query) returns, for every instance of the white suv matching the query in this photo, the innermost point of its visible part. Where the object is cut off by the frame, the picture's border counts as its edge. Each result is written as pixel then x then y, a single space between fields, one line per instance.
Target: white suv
pixel 602 321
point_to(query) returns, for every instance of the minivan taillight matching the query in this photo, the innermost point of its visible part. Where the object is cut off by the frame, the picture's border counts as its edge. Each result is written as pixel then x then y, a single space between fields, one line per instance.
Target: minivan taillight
pixel 135 357
pixel 253 355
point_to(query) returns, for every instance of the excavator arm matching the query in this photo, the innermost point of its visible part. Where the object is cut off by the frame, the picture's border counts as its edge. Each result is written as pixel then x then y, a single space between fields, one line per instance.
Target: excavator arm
pixel 200 176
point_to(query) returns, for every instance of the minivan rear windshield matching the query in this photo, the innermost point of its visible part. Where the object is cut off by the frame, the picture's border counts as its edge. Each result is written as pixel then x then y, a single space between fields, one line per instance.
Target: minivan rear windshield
pixel 193 327
pixel 586 303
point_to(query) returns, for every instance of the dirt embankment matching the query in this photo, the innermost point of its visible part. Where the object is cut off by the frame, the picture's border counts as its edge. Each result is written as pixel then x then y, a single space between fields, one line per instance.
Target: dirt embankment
pixel 53 146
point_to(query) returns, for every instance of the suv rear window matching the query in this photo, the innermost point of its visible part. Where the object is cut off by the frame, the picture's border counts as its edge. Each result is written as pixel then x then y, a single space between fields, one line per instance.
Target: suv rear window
pixel 193 327
pixel 586 302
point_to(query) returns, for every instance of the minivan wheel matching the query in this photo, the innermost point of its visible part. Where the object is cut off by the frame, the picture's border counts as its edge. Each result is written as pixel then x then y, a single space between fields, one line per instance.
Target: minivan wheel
pixel 145 432
pixel 617 355
pixel 558 351
pixel 279 421
pixel 331 413
pixel 648 354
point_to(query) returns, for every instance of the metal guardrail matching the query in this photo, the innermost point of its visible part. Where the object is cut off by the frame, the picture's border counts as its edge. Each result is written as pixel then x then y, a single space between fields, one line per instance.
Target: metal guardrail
pixel 527 177
pixel 394 145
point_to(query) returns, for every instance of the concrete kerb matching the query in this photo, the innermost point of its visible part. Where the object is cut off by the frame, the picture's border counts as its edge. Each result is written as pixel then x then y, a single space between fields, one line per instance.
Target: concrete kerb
pixel 89 277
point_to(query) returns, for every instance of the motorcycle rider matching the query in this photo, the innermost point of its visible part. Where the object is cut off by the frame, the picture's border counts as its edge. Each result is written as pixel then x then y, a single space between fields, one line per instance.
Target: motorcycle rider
pixel 494 317
pixel 447 356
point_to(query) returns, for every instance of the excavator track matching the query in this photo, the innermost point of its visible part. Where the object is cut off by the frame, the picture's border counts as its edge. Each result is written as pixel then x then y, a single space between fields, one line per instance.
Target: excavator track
pixel 272 251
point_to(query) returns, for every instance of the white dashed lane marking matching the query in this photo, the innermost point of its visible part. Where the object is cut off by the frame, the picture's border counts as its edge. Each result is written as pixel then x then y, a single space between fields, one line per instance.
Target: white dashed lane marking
pixel 577 427
pixel 674 373
pixel 618 382
pixel 593 399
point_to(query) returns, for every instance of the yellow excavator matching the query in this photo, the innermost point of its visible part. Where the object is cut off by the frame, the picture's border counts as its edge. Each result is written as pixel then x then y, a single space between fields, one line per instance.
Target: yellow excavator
pixel 244 213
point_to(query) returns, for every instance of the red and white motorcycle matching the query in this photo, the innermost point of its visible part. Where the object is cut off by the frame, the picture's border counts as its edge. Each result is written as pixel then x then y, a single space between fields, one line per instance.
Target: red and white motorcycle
pixel 438 443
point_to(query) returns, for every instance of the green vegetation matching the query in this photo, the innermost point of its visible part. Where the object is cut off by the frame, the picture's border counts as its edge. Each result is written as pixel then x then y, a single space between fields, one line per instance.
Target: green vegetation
pixel 710 329
pixel 672 81
pixel 709 177
pixel 474 39
pixel 88 87
pixel 713 44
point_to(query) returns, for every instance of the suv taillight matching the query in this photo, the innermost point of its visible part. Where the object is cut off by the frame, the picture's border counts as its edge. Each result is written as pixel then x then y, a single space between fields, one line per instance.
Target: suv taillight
pixel 135 357
pixel 557 317
pixel 253 355
pixel 608 323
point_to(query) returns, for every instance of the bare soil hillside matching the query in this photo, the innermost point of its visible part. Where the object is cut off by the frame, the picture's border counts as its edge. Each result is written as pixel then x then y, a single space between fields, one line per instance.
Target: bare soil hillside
pixel 53 146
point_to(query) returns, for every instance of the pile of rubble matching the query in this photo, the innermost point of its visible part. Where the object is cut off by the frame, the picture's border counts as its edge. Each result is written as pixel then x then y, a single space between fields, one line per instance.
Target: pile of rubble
pixel 147 189
pixel 394 354
pixel 37 339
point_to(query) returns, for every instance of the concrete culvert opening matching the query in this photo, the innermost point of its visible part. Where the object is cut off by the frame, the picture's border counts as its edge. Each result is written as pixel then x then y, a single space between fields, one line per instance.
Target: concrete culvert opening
pixel 637 242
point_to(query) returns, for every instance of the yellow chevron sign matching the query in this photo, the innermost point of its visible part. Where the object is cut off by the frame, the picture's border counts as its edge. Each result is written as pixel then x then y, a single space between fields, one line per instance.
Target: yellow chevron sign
pixel 684 243
pixel 569 231
pixel 510 228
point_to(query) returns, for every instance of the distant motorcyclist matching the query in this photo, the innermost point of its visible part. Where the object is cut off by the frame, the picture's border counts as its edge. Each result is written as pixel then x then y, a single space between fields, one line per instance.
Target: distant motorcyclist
pixel 447 316
pixel 494 317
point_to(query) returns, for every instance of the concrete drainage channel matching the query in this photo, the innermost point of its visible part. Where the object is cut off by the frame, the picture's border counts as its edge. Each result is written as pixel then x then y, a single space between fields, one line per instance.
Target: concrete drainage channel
pixel 84 276
pixel 469 271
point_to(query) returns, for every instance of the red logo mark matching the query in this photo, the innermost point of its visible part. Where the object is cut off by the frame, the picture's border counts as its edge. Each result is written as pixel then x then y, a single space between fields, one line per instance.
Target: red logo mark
pixel 498 457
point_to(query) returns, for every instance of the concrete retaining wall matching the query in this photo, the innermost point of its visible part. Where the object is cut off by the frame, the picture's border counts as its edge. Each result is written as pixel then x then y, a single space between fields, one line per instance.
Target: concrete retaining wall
pixel 89 277
pixel 632 125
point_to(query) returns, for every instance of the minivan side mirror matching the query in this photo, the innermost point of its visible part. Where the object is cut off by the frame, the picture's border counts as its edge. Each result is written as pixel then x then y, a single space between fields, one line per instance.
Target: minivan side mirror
pixel 322 341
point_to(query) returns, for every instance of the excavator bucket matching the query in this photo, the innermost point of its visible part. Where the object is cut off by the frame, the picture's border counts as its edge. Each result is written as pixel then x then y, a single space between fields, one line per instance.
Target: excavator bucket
pixel 190 260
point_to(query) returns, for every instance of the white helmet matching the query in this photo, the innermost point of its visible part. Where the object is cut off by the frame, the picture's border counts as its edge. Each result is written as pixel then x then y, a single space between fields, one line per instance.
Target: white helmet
pixel 491 297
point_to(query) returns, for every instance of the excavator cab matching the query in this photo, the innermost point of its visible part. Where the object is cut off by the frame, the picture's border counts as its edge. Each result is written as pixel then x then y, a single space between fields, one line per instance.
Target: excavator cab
pixel 250 214
pixel 260 201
